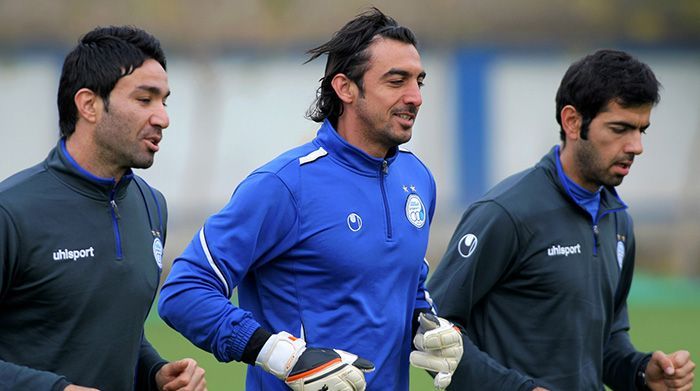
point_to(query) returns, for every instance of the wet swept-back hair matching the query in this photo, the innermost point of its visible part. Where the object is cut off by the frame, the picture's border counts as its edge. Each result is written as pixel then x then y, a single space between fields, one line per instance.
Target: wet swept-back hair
pixel 604 76
pixel 348 54
pixel 101 58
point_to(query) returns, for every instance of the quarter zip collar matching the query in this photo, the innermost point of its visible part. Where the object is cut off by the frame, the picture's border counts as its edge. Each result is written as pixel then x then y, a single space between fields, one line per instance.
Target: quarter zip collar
pixel 62 164
pixel 350 156
pixel 610 201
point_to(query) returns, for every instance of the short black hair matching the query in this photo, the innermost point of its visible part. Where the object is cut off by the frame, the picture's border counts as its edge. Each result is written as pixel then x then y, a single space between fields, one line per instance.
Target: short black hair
pixel 102 57
pixel 347 54
pixel 597 79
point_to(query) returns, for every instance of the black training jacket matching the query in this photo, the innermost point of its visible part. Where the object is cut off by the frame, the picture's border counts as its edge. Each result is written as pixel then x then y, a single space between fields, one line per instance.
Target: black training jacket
pixel 540 288
pixel 80 262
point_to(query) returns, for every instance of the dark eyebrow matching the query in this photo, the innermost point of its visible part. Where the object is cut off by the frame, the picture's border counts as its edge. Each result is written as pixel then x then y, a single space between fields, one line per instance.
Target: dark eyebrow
pixel 153 90
pixel 401 72
pixel 628 125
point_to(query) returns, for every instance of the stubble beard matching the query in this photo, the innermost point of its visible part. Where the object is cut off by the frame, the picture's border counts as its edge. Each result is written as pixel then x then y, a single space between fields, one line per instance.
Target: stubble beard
pixel 592 168
pixel 115 147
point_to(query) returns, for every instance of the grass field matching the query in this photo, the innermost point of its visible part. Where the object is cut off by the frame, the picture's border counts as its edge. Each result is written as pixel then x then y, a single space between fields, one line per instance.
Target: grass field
pixel 665 315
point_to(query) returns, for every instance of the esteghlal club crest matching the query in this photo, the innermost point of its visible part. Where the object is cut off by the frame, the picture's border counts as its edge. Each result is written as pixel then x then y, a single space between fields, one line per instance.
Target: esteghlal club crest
pixel 415 210
pixel 620 253
pixel 158 252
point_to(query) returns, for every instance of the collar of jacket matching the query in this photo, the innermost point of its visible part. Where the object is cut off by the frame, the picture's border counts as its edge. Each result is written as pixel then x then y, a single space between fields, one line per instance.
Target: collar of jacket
pixel 610 201
pixel 68 171
pixel 350 156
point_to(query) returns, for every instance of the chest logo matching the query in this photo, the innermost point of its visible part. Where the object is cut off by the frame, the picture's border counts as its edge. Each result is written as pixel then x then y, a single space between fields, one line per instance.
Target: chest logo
pixel 354 222
pixel 558 249
pixel 620 253
pixel 73 255
pixel 158 252
pixel 415 210
pixel 467 244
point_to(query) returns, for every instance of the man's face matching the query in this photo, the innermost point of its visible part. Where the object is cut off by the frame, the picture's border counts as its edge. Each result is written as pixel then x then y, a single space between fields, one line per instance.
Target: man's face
pixel 388 106
pixel 128 132
pixel 614 139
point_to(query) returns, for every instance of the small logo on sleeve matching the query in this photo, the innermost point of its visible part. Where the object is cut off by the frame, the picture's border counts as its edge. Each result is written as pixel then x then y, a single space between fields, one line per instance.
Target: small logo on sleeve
pixel 467 244
pixel 73 255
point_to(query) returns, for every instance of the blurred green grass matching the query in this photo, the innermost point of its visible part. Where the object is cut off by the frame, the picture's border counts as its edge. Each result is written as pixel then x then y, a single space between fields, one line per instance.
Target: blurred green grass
pixel 664 314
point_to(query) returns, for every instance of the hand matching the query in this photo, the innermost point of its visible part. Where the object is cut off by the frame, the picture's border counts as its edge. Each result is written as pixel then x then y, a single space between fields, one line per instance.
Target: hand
pixel 304 368
pixel 439 348
pixel 539 389
pixel 670 372
pixel 73 387
pixel 182 375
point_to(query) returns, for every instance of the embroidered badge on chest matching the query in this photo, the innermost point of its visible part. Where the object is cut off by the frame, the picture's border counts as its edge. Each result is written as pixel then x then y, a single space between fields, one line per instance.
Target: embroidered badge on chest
pixel 620 253
pixel 415 210
pixel 158 252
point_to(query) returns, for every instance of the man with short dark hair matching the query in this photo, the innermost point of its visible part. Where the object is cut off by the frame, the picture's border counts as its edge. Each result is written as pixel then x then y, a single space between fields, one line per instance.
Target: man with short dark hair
pixel 538 270
pixel 81 236
pixel 326 243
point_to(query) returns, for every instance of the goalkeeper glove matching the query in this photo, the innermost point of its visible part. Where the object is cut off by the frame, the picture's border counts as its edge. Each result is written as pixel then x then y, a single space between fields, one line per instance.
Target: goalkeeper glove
pixel 439 348
pixel 312 369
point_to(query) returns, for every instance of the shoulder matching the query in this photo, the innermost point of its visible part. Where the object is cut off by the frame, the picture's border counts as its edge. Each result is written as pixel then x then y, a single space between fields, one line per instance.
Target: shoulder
pixel 24 185
pixel 293 159
pixel 524 191
pixel 407 157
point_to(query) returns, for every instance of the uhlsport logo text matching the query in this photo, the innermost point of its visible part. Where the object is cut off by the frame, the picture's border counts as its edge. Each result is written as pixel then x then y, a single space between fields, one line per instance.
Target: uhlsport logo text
pixel 73 255
pixel 564 250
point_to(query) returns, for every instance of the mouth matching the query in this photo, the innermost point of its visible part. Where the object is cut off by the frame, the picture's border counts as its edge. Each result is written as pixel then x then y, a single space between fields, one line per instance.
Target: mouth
pixel 152 142
pixel 623 167
pixel 406 117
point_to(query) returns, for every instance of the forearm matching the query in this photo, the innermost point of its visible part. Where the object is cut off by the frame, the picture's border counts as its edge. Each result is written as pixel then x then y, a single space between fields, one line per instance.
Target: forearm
pixel 18 377
pixel 149 364
pixel 621 362
pixel 478 370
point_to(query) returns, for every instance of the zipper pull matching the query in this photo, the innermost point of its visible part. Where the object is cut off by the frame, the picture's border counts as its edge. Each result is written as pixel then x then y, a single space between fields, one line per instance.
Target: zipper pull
pixel 115 208
pixel 385 167
pixel 595 234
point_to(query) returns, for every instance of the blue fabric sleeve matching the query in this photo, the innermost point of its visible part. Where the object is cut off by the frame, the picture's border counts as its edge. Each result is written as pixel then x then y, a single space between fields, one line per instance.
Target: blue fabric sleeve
pixel 460 282
pixel 423 299
pixel 259 223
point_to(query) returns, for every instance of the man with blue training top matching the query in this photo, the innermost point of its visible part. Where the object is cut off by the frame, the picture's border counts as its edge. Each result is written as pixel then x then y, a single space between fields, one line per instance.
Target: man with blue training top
pixel 326 242
pixel 538 270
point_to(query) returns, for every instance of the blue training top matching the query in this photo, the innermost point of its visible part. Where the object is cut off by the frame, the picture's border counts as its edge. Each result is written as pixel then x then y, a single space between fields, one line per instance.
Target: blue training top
pixel 324 242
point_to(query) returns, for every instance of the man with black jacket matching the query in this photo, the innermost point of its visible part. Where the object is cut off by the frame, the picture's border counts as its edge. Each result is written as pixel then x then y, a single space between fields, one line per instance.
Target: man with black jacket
pixel 81 236
pixel 538 270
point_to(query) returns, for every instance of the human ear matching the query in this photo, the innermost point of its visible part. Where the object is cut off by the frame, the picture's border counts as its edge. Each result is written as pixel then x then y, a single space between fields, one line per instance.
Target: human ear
pixel 345 88
pixel 88 104
pixel 571 121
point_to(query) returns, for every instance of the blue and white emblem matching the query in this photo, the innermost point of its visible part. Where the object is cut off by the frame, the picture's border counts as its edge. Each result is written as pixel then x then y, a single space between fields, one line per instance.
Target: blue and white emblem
pixel 158 252
pixel 354 222
pixel 415 210
pixel 620 253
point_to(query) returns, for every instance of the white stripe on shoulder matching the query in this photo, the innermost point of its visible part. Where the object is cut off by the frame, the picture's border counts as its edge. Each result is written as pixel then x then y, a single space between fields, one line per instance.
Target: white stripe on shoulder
pixel 205 248
pixel 402 149
pixel 320 152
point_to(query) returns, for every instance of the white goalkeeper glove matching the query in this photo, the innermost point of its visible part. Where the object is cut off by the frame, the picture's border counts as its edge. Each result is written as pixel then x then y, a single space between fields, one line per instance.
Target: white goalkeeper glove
pixel 439 348
pixel 312 369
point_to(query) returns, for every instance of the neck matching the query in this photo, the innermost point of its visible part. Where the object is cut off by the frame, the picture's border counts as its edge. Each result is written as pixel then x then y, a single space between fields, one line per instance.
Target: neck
pixel 568 164
pixel 357 137
pixel 84 152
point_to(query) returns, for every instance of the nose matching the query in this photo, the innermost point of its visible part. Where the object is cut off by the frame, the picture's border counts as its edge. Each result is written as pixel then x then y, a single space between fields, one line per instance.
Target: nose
pixel 160 117
pixel 634 144
pixel 413 95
